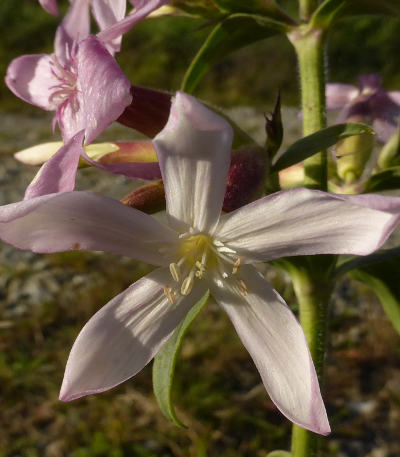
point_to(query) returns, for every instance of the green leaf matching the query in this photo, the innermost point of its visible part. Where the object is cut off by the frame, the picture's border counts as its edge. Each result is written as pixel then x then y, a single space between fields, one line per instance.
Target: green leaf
pixel 383 278
pixel 311 144
pixel 279 454
pixel 388 179
pixel 268 8
pixel 164 364
pixel 232 33
pixel 331 10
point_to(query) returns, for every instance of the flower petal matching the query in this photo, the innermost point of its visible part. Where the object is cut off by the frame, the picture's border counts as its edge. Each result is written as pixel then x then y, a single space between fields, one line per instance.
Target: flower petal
pixel 338 95
pixel 74 27
pixel 302 221
pixel 84 221
pixel 59 172
pixel 276 342
pixel 103 92
pixel 395 96
pixel 142 9
pixel 121 338
pixel 50 6
pixel 194 154
pixel 107 13
pixel 30 78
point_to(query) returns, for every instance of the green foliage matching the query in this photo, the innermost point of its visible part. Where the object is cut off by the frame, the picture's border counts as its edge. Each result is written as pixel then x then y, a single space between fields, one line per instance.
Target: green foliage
pixel 234 32
pixel 311 144
pixel 388 179
pixel 164 364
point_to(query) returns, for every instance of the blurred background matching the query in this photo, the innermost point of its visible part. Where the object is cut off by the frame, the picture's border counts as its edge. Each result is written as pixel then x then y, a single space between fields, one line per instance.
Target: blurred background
pixel 45 300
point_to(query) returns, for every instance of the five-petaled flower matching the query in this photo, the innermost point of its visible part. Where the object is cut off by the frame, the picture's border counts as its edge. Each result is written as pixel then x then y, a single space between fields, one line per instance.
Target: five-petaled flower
pixel 200 250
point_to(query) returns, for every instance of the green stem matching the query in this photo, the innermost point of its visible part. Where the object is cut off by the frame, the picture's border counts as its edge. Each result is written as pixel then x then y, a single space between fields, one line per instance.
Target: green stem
pixel 306 8
pixel 309 46
pixel 313 287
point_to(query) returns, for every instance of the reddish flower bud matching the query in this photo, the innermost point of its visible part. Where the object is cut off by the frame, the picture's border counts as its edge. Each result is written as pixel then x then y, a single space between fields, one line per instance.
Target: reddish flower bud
pixel 149 198
pixel 245 177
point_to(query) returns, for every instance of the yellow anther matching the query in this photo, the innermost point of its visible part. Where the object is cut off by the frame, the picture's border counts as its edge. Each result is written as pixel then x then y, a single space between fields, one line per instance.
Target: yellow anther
pixel 236 266
pixel 175 271
pixel 243 288
pixel 169 294
pixel 187 285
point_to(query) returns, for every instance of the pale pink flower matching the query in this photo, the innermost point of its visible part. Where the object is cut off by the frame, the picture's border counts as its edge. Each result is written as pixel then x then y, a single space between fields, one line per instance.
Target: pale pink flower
pixel 199 250
pixel 368 102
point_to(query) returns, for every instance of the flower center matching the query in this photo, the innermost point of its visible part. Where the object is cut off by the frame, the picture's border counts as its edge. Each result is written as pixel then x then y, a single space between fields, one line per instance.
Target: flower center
pixel 199 256
pixel 66 88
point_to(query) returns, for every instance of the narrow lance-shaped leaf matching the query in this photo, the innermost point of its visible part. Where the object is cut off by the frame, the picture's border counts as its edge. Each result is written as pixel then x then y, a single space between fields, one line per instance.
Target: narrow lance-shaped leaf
pixel 331 10
pixel 279 454
pixel 164 364
pixel 234 32
pixel 313 143
pixel 385 180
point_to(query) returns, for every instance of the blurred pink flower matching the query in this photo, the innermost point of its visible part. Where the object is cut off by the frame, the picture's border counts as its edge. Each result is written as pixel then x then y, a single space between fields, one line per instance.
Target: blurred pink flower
pixel 198 250
pixel 368 103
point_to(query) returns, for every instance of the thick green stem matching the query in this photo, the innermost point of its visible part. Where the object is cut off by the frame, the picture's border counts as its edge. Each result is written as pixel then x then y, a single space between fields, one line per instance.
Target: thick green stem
pixel 313 287
pixel 311 278
pixel 306 8
pixel 309 45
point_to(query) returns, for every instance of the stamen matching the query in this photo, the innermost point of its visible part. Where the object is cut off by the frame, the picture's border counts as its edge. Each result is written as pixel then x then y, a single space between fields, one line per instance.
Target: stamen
pixel 175 271
pixel 187 284
pixel 243 288
pixel 169 294
pixel 236 266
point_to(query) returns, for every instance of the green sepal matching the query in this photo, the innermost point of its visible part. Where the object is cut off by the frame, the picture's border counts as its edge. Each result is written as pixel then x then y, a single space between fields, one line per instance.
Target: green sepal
pixel 164 364
pixel 331 10
pixel 388 179
pixel 232 33
pixel 311 144
pixel 379 271
pixel 279 454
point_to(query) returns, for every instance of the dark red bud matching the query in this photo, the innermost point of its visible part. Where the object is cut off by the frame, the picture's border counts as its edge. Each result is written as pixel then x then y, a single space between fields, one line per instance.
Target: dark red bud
pixel 149 198
pixel 245 177
pixel 149 111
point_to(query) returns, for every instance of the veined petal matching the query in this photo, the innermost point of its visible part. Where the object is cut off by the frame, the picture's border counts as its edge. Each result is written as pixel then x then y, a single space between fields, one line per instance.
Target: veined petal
pixel 59 172
pixel 303 221
pixel 107 13
pixel 194 154
pixel 103 92
pixel 84 221
pixel 74 28
pixel 338 95
pixel 121 338
pixel 30 78
pixel 50 6
pixel 276 342
pixel 142 9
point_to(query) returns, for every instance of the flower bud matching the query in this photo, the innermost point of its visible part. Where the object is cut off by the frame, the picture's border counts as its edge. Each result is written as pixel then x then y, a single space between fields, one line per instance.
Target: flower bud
pixel 149 198
pixel 246 177
pixel 149 111
pixel 352 155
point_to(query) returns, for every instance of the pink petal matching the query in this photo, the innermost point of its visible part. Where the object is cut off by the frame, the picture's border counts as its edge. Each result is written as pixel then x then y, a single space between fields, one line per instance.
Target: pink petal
pixel 84 221
pixel 59 172
pixel 302 222
pixel 103 92
pixel 121 338
pixel 194 154
pixel 276 342
pixel 142 9
pixel 74 28
pixel 30 78
pixel 107 13
pixel 395 96
pixel 50 6
pixel 338 95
